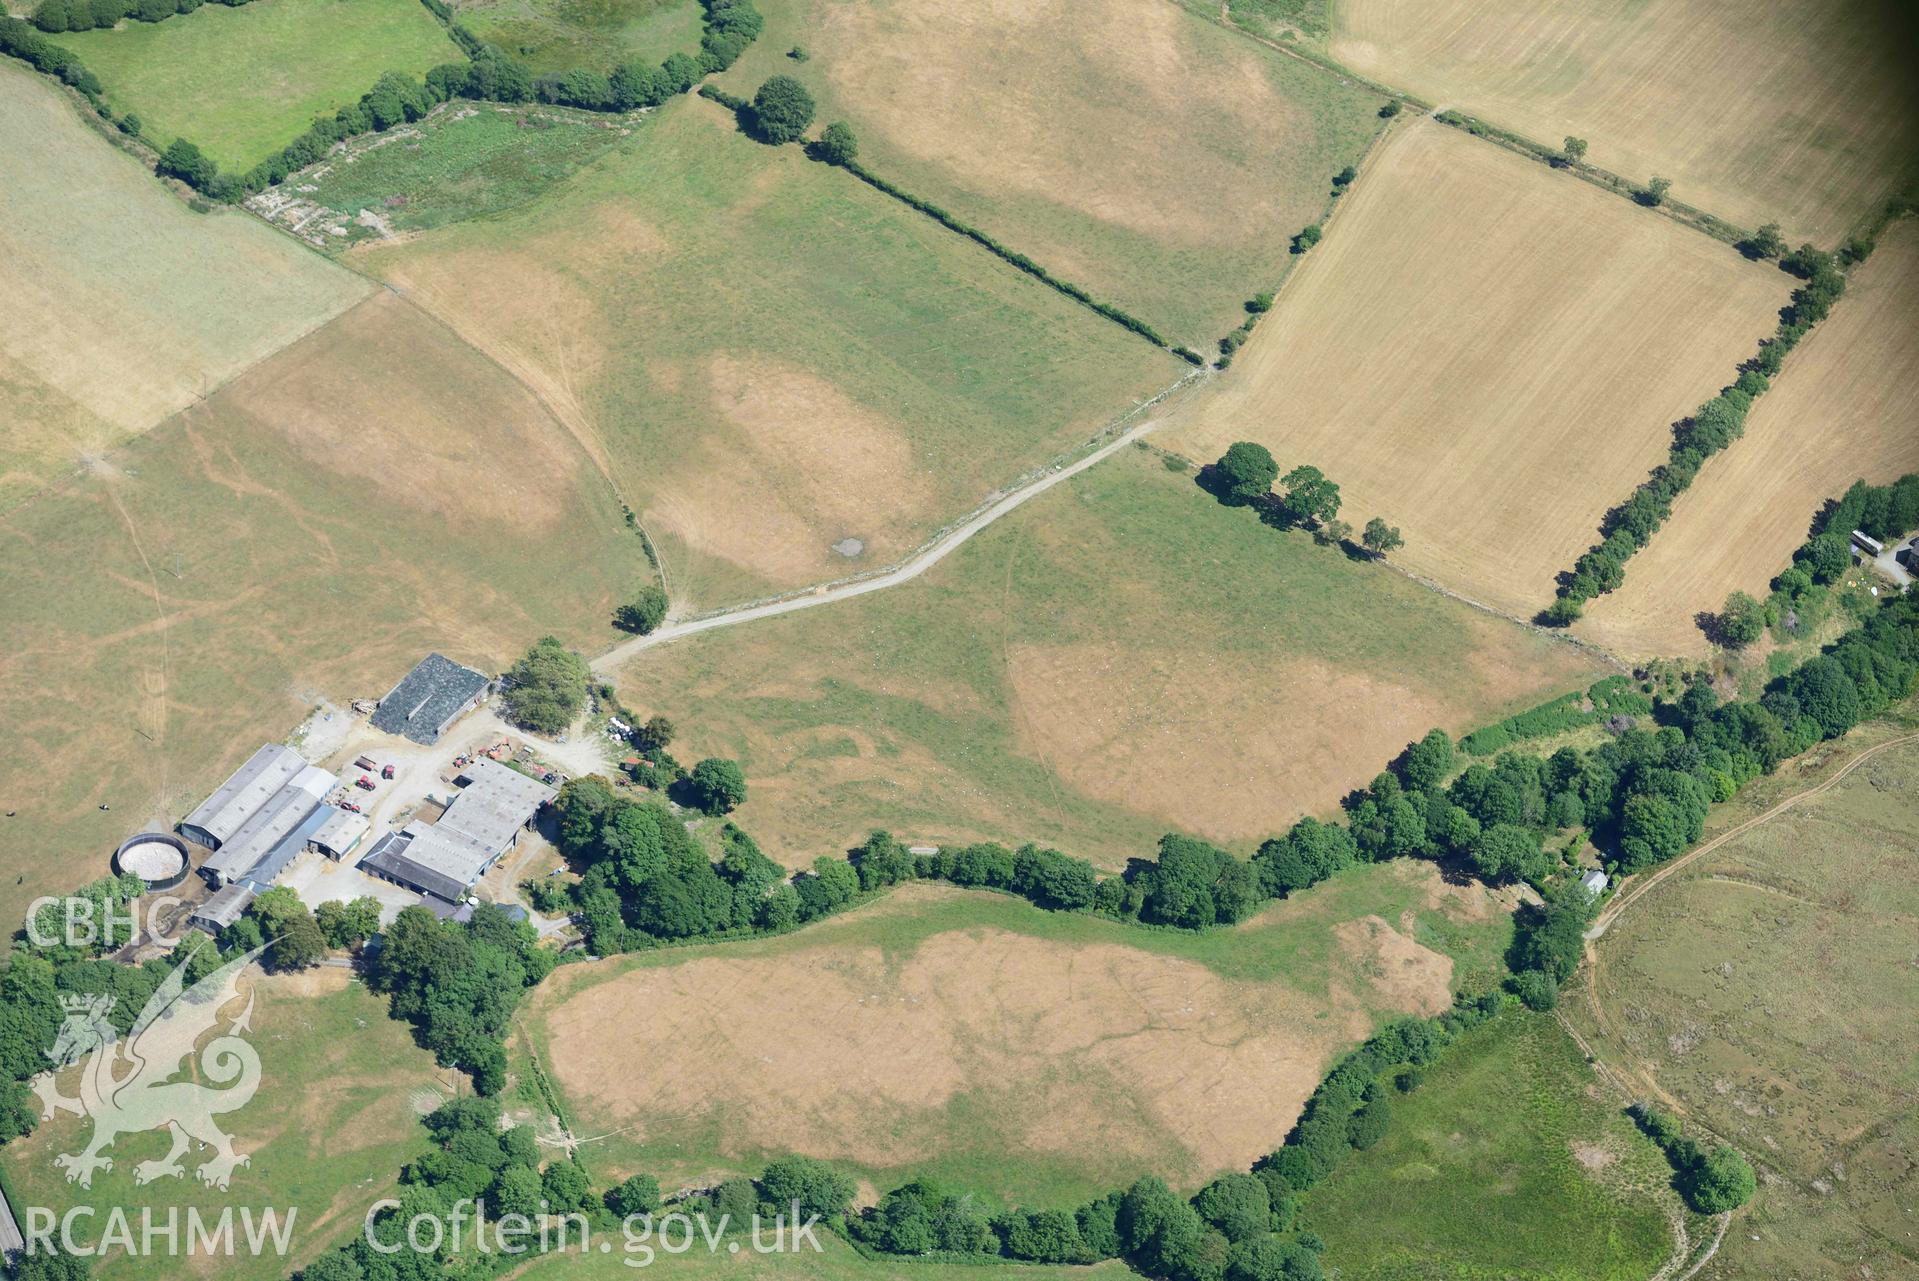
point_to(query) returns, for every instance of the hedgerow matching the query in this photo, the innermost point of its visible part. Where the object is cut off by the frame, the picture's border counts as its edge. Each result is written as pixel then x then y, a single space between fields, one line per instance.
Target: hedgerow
pixel 1715 425
pixel 397 98
pixel 1608 698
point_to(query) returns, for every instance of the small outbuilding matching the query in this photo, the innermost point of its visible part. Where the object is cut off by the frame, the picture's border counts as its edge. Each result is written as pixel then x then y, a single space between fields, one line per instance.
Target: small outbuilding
pixel 1594 882
pixel 223 909
pixel 437 692
pixel 339 833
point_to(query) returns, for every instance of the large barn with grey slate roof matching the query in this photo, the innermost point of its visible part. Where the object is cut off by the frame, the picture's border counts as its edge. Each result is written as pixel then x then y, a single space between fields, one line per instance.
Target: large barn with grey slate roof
pixel 428 699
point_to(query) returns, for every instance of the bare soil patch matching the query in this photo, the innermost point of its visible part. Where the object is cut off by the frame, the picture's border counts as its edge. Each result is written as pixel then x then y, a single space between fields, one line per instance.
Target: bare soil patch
pixel 1844 408
pixel 1489 354
pixel 369 397
pixel 1758 112
pixel 1406 975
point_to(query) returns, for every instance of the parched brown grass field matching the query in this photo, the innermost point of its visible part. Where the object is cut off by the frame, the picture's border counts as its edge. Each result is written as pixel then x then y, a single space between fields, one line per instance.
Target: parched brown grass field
pixel 771 357
pixel 1768 993
pixel 373 492
pixel 1152 157
pixel 1120 657
pixel 1844 408
pixel 1801 114
pixel 1489 355
pixel 1028 1055
pixel 122 306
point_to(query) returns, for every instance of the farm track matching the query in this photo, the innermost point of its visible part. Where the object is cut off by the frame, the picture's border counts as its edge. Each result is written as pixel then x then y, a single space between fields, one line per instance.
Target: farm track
pixel 1637 1082
pixel 924 558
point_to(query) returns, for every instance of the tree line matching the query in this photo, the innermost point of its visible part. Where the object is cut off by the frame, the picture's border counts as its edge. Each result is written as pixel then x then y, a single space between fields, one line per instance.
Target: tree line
pixel 1259 304
pixel 782 109
pixel 1245 475
pixel 1802 591
pixel 89 15
pixel 1715 425
pixel 398 97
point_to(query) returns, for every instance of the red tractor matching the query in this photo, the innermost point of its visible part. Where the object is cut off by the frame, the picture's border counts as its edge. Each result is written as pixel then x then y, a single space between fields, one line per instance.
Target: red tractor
pixel 364 783
pixel 386 771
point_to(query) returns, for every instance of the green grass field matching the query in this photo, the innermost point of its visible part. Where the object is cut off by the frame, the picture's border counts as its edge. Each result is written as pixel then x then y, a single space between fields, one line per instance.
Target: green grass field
pixel 463 162
pixel 770 356
pixel 835 1261
pixel 1508 1163
pixel 1119 657
pixel 1165 171
pixel 1768 994
pixel 1065 1027
pixel 242 83
pixel 560 35
pixel 326 1133
pixel 308 532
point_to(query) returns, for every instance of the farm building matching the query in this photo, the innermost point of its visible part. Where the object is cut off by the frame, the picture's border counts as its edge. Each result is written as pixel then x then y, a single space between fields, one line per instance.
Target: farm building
pixel 275 830
pixel 442 860
pixel 339 834
pixel 241 796
pixel 428 699
pixel 225 907
pixel 1594 882
pixel 498 804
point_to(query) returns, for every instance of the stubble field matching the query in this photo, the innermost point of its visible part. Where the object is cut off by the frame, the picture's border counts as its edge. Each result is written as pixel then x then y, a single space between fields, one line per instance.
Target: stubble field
pixel 1758 112
pixel 1025 1056
pixel 771 357
pixel 309 531
pixel 122 306
pixel 1488 354
pixel 1768 993
pixel 1120 657
pixel 1151 157
pixel 1844 408
pixel 243 82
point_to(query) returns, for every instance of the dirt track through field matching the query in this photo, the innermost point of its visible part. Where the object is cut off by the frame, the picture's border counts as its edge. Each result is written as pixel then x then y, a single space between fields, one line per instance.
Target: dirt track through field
pixel 1638 1080
pixel 931 554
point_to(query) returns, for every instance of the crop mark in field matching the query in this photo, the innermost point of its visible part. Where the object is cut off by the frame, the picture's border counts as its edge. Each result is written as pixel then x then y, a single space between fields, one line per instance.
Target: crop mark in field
pixel 158 694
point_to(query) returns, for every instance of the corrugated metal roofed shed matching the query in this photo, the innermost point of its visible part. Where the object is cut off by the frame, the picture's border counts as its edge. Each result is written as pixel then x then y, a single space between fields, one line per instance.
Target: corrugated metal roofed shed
pixel 289 847
pixel 437 865
pixel 497 803
pixel 340 833
pixel 235 801
pixel 270 824
pixel 224 908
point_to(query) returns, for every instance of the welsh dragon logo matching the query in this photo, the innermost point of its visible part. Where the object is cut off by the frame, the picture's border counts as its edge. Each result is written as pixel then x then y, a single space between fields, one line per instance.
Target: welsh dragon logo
pixel 127 1085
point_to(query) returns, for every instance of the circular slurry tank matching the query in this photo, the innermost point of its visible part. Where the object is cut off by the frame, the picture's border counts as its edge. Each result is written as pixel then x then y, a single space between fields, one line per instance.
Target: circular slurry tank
pixel 157 858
